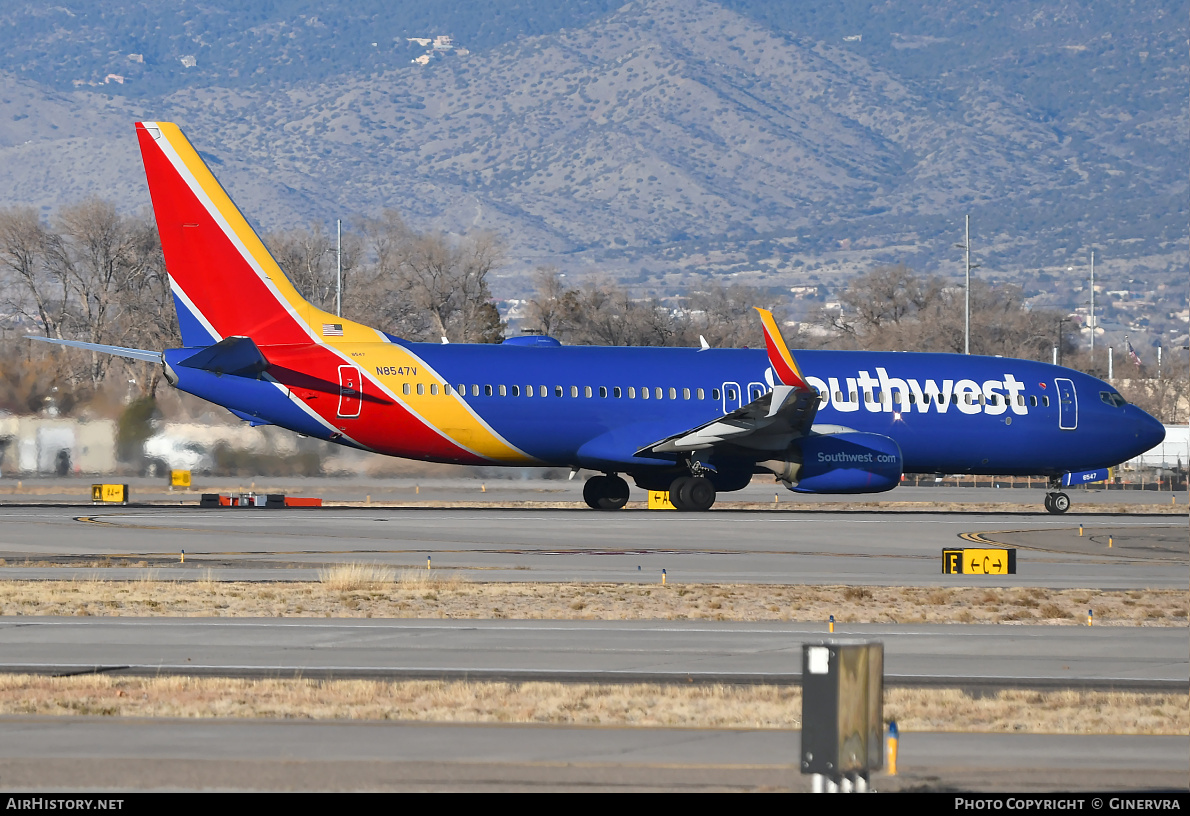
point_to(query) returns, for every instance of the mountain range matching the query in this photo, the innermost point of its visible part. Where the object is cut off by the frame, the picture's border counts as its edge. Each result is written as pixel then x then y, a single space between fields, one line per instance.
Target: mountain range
pixel 660 142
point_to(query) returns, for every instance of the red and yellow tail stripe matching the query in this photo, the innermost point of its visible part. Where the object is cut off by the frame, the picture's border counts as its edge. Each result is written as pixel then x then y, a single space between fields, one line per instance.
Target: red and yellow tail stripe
pixel 784 366
pixel 225 277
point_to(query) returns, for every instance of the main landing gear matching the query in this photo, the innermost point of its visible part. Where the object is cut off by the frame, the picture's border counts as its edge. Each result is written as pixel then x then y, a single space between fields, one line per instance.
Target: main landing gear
pixel 692 493
pixel 605 492
pixel 1057 502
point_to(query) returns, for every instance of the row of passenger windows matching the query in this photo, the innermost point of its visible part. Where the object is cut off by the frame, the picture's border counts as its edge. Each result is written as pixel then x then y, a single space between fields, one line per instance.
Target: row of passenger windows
pixel 899 397
pixel 560 391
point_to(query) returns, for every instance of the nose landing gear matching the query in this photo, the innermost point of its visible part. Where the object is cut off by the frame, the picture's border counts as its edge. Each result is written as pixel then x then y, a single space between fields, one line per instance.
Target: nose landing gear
pixel 1055 501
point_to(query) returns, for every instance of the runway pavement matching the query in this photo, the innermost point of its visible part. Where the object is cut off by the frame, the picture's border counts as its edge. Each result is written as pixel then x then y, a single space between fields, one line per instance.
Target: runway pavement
pixel 105 753
pixel 492 544
pixel 1137 658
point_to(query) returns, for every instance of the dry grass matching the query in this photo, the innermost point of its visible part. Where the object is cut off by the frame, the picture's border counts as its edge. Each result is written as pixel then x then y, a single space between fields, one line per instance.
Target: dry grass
pixel 366 591
pixel 351 577
pixel 581 704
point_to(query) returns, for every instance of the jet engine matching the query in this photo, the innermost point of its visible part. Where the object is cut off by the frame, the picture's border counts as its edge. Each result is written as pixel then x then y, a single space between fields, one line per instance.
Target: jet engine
pixel 850 462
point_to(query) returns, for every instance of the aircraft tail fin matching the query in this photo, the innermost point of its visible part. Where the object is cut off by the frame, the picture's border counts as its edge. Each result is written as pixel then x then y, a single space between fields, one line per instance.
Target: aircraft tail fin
pixel 224 281
pixel 780 358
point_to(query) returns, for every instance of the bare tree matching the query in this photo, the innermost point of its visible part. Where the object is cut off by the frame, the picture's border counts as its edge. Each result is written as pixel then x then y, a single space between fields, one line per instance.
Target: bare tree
pixel 447 280
pixel 30 290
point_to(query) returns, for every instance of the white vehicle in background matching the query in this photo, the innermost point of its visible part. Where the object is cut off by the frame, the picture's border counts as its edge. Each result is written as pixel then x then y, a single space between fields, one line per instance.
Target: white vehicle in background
pixel 165 452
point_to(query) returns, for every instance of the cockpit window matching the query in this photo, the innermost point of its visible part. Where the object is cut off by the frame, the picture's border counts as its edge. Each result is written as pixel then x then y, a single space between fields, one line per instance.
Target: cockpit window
pixel 1113 399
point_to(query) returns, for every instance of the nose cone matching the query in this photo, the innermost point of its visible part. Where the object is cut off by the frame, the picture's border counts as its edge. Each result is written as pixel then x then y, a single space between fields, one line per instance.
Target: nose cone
pixel 1149 432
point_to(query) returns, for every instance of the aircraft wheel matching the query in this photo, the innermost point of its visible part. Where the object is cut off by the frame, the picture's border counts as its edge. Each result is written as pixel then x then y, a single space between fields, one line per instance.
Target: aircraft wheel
pixel 678 490
pixel 594 490
pixel 1049 502
pixel 698 494
pixel 615 493
pixel 1060 503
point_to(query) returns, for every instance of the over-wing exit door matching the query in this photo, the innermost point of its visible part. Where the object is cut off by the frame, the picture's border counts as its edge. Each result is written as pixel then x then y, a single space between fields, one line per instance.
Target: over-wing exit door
pixel 350 391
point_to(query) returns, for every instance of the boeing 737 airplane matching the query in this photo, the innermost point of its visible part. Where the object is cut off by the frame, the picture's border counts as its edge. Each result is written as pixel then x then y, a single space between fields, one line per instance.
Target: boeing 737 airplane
pixel 693 422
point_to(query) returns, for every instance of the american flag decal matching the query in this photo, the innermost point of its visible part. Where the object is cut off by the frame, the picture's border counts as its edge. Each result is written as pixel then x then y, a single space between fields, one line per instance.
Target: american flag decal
pixel 332 329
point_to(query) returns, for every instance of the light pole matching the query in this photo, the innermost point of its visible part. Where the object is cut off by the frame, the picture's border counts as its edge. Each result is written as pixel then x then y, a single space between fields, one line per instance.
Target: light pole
pixel 966 246
pixel 1061 320
pixel 1092 307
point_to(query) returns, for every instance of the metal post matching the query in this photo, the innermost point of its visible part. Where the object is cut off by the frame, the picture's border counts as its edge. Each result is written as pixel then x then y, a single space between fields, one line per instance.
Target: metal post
pixel 339 268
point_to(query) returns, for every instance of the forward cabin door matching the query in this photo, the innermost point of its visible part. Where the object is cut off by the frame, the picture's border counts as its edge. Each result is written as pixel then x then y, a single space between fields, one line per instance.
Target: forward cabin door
pixel 350 391
pixel 1067 404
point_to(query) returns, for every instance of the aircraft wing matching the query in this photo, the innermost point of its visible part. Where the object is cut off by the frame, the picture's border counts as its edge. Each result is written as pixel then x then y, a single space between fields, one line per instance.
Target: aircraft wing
pixel 769 423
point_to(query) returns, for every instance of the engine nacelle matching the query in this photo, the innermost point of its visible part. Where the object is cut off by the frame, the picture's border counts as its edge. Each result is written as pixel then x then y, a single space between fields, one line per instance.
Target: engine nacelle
pixel 841 463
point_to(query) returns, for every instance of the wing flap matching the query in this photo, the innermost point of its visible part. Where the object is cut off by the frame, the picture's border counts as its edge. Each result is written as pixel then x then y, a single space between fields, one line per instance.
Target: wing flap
pixel 771 422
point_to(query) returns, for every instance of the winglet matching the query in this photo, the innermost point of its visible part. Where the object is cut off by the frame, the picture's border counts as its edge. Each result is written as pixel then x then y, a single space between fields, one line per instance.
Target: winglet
pixel 784 366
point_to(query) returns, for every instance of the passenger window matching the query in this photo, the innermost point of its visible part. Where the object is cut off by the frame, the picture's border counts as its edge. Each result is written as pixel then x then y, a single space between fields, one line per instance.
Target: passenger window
pixel 587 391
pixel 838 396
pixel 421 389
pixel 912 399
pixel 616 392
pixel 487 390
pixel 433 389
pixel 462 390
pixel 504 391
pixel 558 391
pixel 702 394
pixel 1032 401
pixel 644 393
pixel 516 390
pixel 603 391
pixel 446 389
pixel 474 390
pixel 660 393
pixel 715 394
pixel 982 401
pixel 573 391
pixel 685 393
pixel 853 397
pixel 631 392
pixel 405 389
pixel 673 393
pixel 543 391
pixel 731 393
pixel 896 397
pixel 1045 401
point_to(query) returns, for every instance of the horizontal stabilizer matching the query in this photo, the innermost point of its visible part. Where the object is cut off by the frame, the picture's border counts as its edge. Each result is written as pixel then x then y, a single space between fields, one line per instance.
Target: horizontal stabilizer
pixel 119 351
pixel 250 418
pixel 231 355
